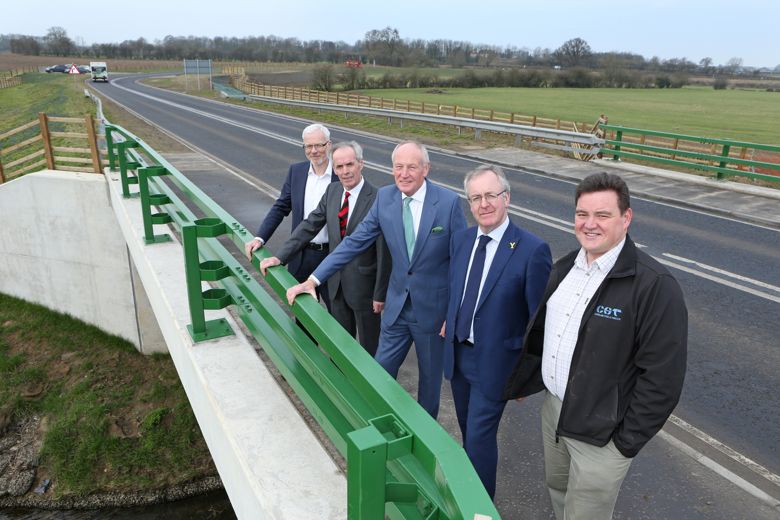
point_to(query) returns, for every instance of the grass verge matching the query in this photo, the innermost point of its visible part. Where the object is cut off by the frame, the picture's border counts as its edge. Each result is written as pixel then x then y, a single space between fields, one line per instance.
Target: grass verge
pixel 113 419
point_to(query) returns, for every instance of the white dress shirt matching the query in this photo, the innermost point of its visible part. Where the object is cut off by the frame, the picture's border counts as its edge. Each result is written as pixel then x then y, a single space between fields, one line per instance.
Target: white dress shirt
pixel 565 310
pixel 315 189
pixel 353 196
pixel 490 253
pixel 416 206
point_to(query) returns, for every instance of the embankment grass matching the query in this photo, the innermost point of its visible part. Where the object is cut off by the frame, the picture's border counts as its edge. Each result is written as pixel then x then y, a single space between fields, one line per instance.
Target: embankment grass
pixel 113 419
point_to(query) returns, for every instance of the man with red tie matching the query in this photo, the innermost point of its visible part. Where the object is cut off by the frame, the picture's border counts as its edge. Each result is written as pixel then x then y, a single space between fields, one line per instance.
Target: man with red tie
pixel 357 292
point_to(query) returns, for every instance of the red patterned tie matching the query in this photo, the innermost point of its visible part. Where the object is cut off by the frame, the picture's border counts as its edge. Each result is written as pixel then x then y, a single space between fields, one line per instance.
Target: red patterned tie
pixel 343 214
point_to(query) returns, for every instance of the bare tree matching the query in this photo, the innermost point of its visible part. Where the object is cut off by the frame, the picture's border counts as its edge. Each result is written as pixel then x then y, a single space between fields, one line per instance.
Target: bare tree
pixel 573 53
pixel 706 65
pixel 733 65
pixel 58 42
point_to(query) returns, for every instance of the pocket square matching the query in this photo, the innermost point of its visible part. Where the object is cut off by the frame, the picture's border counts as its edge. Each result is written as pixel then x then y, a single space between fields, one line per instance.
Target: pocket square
pixel 437 229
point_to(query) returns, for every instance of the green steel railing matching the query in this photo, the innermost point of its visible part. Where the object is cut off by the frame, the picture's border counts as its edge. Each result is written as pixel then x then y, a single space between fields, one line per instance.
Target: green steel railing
pixel 400 462
pixel 699 153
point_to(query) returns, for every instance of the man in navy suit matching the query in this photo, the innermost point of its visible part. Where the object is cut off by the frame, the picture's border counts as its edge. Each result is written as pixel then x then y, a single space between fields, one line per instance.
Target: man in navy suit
pixel 303 189
pixel 497 277
pixel 416 219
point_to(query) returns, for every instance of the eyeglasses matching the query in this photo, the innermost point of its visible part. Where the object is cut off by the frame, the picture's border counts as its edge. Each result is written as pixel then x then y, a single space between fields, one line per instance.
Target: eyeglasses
pixel 315 146
pixel 490 198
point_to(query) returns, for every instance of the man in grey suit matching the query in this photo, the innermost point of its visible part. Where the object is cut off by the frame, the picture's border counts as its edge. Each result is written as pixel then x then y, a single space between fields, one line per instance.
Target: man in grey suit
pixel 357 292
pixel 416 219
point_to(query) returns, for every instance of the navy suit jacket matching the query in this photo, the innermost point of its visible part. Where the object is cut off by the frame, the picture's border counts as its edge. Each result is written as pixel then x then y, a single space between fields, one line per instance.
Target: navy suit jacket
pixel 424 277
pixel 512 291
pixel 290 201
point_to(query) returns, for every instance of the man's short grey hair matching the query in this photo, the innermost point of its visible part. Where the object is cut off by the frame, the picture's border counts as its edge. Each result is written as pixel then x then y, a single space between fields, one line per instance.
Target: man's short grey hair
pixel 482 169
pixel 349 144
pixel 313 128
pixel 420 146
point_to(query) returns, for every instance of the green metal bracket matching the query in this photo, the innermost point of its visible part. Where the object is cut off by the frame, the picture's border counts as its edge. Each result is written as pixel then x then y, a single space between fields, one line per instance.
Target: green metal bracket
pixel 368 491
pixel 366 460
pixel 152 199
pixel 197 272
pixel 110 148
pixel 125 166
pixel 725 153
pixel 618 138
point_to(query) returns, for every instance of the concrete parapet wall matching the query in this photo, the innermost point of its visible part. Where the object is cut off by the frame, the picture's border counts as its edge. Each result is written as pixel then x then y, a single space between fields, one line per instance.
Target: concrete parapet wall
pixel 270 462
pixel 60 247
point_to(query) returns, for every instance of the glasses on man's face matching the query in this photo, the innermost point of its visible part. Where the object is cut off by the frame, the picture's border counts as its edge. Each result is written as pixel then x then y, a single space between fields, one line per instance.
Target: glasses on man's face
pixel 490 198
pixel 315 146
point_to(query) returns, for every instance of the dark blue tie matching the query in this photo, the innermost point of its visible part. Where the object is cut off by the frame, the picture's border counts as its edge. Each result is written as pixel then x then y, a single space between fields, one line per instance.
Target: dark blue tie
pixel 466 312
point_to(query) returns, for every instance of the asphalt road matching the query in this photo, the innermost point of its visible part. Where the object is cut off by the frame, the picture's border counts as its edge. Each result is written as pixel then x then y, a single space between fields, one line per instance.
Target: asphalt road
pixel 731 394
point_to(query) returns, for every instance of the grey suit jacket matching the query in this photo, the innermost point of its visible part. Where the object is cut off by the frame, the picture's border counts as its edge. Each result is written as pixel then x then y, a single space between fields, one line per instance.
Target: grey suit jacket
pixel 363 279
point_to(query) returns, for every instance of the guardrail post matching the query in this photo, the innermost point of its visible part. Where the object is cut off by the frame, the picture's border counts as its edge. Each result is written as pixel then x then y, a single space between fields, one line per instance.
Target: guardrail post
pixel 152 199
pixel 197 272
pixel 618 138
pixel 725 153
pixel 366 459
pixel 110 148
pixel 125 165
pixel 368 450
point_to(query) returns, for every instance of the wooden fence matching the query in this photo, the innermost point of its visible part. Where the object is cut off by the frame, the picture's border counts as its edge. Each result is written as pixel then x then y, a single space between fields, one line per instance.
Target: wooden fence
pixel 346 98
pixel 54 143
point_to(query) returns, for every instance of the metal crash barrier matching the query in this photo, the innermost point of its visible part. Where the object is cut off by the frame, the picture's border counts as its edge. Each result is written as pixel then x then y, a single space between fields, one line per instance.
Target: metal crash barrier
pixel 400 462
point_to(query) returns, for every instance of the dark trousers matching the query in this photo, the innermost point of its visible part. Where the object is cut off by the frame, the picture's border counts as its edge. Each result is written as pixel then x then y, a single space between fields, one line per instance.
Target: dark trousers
pixel 478 416
pixel 362 322
pixel 394 343
pixel 310 259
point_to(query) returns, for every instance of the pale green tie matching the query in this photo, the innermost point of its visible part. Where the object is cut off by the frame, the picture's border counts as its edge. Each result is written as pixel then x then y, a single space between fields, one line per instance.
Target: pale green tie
pixel 408 227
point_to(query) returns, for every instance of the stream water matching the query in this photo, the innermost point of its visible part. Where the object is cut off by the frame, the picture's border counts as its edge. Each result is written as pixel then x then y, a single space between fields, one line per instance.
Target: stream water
pixel 211 506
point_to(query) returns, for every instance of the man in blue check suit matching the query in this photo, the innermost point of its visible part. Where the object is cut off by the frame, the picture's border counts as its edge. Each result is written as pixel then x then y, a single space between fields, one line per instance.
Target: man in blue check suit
pixel 417 219
pixel 303 189
pixel 497 277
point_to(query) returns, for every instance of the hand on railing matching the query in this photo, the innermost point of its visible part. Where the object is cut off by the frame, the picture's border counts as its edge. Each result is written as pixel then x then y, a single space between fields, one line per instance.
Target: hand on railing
pixel 307 287
pixel 251 247
pixel 265 263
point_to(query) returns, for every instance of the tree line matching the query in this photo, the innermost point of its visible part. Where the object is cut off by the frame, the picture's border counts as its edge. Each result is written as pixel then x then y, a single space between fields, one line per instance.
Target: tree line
pixel 379 46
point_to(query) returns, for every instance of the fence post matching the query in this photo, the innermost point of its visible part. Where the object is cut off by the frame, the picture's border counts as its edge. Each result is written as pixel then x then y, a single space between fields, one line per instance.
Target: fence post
pixel 93 146
pixel 46 136
pixel 2 173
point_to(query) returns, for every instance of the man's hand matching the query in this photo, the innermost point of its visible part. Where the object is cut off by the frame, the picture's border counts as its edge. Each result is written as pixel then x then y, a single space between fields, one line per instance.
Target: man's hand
pixel 268 262
pixel 305 287
pixel 378 307
pixel 251 247
pixel 443 330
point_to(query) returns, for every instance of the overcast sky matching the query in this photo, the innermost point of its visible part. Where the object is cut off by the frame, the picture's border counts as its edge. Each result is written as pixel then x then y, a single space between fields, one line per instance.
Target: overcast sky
pixel 691 29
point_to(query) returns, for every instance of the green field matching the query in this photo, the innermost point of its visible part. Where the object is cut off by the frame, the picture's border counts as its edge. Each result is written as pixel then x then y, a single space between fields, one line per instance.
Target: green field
pixel 746 115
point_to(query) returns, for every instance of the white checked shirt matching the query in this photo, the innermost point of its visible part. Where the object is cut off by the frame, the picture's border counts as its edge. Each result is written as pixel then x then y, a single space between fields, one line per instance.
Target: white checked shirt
pixel 565 310
pixel 315 189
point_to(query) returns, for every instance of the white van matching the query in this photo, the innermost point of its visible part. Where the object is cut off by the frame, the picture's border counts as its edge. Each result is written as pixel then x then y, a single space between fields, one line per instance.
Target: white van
pixel 99 70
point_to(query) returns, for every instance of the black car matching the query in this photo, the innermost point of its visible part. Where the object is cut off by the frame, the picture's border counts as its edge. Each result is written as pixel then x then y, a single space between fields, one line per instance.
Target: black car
pixel 58 68
pixel 84 69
